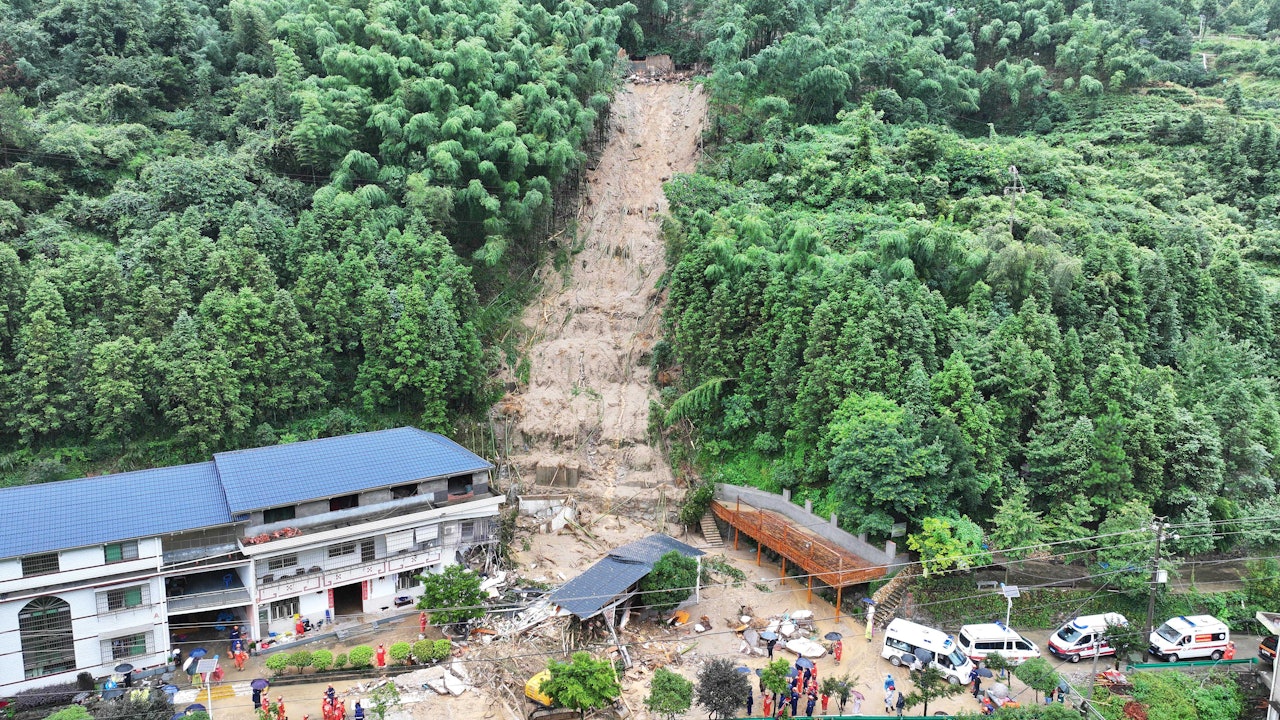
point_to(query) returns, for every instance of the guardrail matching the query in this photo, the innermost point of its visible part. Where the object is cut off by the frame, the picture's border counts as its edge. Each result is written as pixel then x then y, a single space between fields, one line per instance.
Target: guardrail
pixel 1189 663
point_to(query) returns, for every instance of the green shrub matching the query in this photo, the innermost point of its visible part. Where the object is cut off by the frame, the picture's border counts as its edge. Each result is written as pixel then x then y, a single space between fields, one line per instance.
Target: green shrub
pixel 321 660
pixel 696 503
pixel 361 656
pixel 423 650
pixel 300 659
pixel 399 652
pixel 443 648
pixel 277 663
pixel 340 661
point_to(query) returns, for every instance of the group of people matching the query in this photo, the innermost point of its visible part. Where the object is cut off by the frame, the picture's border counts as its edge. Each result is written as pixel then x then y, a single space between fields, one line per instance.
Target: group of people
pixel 334 708
pixel 804 683
pixel 238 652
pixel 894 699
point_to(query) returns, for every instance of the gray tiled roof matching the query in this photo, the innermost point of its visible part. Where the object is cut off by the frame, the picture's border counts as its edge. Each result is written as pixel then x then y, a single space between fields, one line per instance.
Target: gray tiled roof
pixel 625 566
pixel 286 474
pixel 109 508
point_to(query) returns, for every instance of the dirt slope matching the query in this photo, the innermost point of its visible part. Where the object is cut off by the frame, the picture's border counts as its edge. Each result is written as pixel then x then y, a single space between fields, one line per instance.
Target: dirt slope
pixel 591 331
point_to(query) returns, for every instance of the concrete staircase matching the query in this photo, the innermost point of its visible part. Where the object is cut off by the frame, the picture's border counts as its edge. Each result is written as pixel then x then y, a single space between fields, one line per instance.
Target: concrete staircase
pixel 710 532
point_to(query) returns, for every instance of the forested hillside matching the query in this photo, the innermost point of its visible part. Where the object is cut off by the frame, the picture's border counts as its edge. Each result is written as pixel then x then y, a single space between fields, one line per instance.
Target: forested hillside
pixel 219 220
pixel 870 306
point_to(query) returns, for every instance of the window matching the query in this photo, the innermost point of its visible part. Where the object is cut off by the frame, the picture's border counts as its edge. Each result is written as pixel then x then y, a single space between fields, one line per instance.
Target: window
pixel 44 628
pixel 345 502
pixel 123 599
pixel 367 550
pixel 280 514
pixel 343 549
pixel 284 609
pixel 128 646
pixel 406 580
pixel 39 564
pixel 119 552
pixel 401 492
pixel 899 645
pixel 468 529
pixel 1024 645
pixel 282 562
pixel 997 645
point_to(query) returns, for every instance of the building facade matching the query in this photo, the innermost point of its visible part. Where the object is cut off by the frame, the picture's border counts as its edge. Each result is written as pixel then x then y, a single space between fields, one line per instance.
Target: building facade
pixel 127 567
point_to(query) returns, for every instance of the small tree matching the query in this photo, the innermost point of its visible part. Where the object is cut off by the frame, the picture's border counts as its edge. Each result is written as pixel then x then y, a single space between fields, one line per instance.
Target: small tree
pixel 842 688
pixel 277 663
pixel 948 543
pixel 340 661
pixel 452 596
pixel 399 652
pixel 382 700
pixel 669 694
pixel 931 685
pixel 997 663
pixel 670 582
pixel 583 684
pixel 1126 640
pixel 361 656
pixel 774 676
pixel 442 649
pixel 1038 675
pixel 321 660
pixel 722 689
pixel 300 659
pixel 73 712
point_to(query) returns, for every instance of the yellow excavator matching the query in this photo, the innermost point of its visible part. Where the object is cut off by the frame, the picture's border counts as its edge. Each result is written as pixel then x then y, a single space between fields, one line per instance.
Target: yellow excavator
pixel 544 708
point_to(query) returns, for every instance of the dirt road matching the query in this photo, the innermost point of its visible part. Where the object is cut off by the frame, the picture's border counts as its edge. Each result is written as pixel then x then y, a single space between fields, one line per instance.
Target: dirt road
pixel 590 333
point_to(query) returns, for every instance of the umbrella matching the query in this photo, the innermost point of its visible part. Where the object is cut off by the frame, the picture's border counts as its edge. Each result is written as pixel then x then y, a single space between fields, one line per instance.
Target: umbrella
pixel 112 694
pixel 190 665
pixel 833 636
pixel 194 707
pixel 123 668
pixel 743 669
pixel 792 672
pixel 199 653
pixel 1063 686
pixel 169 691
pixel 857 695
pixel 759 672
pixel 260 684
pixel 804 662
pixel 998 690
pixel 178 716
pixel 767 635
pixel 925 656
pixel 985 672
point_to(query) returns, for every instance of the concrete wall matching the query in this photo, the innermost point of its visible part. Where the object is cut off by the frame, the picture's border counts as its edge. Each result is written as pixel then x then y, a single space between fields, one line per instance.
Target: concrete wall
pixel 728 495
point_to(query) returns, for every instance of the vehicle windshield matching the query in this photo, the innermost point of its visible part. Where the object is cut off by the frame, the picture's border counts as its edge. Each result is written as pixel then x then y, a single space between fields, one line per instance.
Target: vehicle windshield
pixel 1069 634
pixel 1168 633
pixel 957 658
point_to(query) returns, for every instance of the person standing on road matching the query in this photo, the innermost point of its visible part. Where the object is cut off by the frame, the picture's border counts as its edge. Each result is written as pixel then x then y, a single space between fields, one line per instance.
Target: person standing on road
pixel 751 700
pixel 901 704
pixel 766 704
pixel 871 620
pixel 838 650
pixel 795 702
pixel 770 644
pixel 808 706
pixel 422 624
pixel 381 656
pixel 888 700
pixel 359 712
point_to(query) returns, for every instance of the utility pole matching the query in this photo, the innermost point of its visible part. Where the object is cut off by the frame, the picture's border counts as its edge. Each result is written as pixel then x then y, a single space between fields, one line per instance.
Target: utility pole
pixel 1158 576
pixel 1014 190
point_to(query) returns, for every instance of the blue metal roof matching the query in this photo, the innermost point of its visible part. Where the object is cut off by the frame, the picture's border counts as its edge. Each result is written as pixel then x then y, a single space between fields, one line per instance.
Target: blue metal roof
pixel 601 583
pixel 110 508
pixel 329 467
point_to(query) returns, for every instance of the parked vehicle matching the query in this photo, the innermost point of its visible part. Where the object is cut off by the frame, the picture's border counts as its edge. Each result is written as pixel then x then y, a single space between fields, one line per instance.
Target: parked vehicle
pixel 1082 637
pixel 1184 638
pixel 1267 650
pixel 979 641
pixel 904 637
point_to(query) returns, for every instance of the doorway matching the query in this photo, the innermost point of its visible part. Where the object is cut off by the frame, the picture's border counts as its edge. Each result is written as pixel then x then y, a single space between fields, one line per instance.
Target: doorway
pixel 347 600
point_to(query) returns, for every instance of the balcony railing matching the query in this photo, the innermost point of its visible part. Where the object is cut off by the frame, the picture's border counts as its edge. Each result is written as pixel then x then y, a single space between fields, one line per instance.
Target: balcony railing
pixel 210 600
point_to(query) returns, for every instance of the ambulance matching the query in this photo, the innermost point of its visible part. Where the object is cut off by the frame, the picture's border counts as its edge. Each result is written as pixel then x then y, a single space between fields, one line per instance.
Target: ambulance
pixel 979 641
pixel 1083 637
pixel 1183 638
pixel 904 637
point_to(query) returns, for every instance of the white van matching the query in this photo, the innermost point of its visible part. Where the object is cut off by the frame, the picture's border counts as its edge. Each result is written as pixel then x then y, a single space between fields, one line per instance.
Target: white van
pixel 979 641
pixel 1083 637
pixel 1183 637
pixel 903 637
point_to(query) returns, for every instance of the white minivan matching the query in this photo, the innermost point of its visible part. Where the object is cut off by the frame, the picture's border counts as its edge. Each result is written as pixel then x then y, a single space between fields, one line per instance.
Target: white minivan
pixel 905 637
pixel 1083 637
pixel 979 641
pixel 1185 637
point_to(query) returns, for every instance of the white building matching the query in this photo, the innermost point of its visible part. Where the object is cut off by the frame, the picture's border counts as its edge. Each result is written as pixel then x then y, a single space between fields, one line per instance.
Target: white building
pixel 122 568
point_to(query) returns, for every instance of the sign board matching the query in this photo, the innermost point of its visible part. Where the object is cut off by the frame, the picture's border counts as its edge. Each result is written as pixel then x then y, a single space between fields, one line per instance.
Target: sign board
pixel 206 665
pixel 898 530
pixel 1010 591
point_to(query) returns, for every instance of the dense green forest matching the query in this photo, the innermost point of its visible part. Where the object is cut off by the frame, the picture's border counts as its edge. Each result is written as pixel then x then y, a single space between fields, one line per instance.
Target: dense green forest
pixel 870 306
pixel 224 220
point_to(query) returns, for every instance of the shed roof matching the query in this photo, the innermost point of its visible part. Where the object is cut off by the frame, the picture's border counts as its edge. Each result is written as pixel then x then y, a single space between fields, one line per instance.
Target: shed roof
pixel 285 474
pixel 601 583
pixel 110 508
